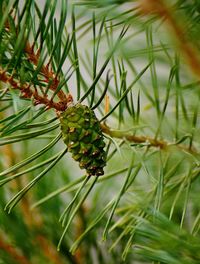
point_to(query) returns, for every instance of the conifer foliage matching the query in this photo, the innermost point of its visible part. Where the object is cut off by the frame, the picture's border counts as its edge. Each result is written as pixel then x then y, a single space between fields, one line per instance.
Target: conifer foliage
pixel 99 131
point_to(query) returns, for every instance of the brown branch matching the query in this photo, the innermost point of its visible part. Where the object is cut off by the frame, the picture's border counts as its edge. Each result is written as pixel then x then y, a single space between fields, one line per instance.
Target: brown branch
pixel 189 50
pixel 132 138
pixel 27 92
pixel 151 142
pixel 49 75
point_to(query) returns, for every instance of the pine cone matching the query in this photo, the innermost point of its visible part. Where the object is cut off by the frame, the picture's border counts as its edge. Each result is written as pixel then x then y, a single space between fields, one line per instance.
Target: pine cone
pixel 82 134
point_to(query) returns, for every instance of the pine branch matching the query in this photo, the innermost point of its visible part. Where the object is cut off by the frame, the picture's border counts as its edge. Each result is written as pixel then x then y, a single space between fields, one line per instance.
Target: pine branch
pixel 148 141
pixel 28 93
pixel 61 106
pixel 50 77
pixel 128 62
pixel 45 71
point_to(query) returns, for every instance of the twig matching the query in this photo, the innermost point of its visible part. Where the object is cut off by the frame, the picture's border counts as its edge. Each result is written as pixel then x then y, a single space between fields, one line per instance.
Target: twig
pixel 49 75
pixel 27 92
pixel 151 142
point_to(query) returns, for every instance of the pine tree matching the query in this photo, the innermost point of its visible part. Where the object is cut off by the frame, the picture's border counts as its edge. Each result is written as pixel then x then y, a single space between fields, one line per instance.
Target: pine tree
pixel 99 107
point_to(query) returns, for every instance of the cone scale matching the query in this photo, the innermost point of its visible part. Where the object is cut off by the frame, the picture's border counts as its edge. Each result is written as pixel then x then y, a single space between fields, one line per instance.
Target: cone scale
pixel 82 134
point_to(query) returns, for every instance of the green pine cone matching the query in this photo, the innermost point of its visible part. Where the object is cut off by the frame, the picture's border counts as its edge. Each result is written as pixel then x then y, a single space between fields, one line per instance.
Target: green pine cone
pixel 82 134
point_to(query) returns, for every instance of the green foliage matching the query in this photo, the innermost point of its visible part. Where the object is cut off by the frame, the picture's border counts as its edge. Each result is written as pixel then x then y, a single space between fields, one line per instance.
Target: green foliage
pixel 131 67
